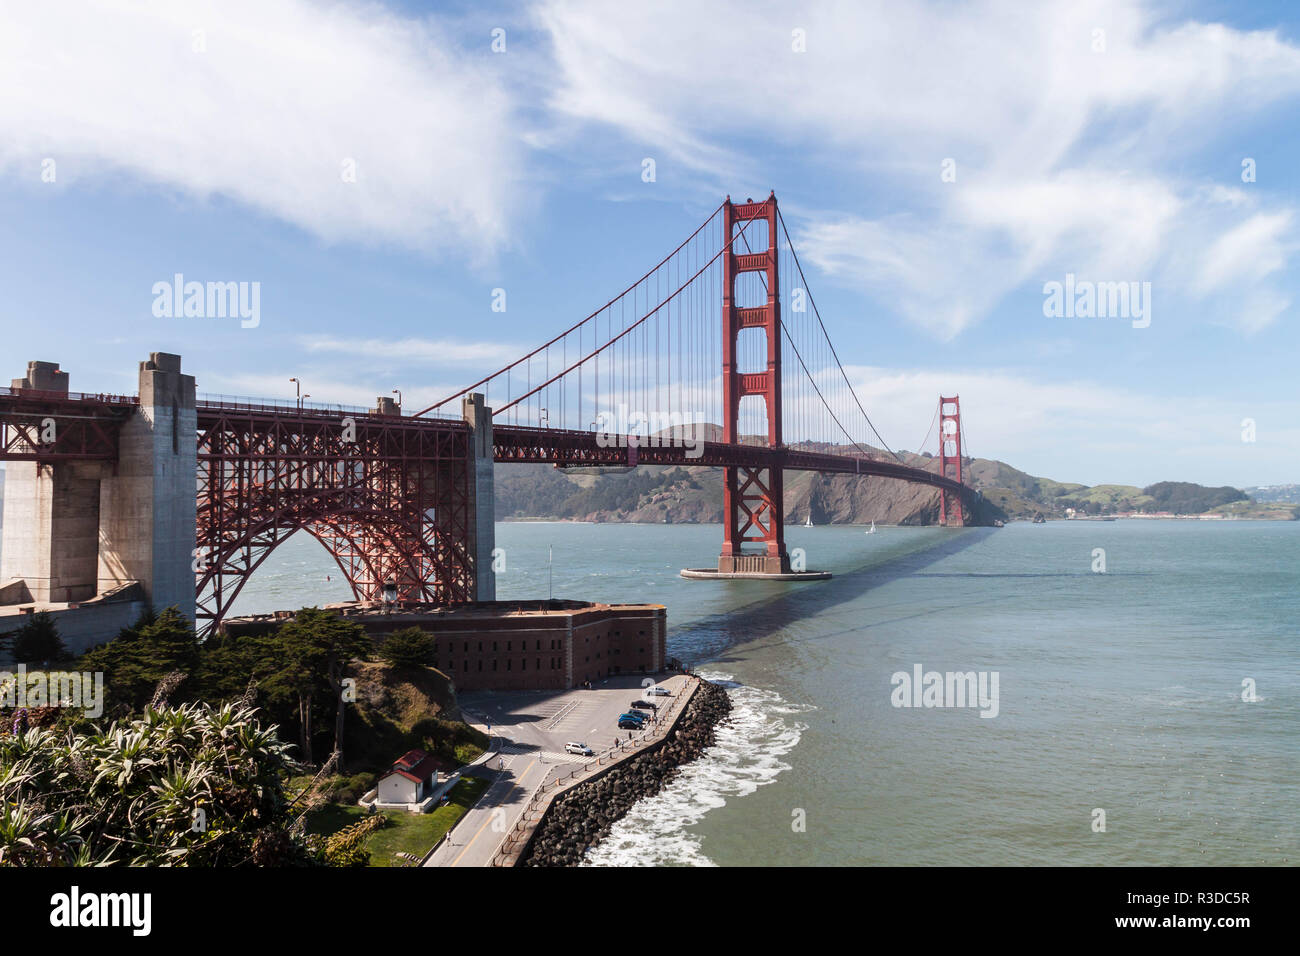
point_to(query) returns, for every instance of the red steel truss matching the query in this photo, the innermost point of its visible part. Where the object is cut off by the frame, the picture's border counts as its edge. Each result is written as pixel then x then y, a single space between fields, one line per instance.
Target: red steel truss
pixel 46 427
pixel 387 496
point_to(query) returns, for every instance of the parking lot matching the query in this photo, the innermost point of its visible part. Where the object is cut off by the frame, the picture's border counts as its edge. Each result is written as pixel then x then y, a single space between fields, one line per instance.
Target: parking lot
pixel 542 722
pixel 529 730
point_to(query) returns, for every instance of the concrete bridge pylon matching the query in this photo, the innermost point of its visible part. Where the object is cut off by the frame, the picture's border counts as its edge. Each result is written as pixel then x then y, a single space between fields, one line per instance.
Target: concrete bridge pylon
pixel 77 527
pixel 147 507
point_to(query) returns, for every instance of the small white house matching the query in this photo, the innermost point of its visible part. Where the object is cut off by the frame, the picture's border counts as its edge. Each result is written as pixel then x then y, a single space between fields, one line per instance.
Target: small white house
pixel 409 780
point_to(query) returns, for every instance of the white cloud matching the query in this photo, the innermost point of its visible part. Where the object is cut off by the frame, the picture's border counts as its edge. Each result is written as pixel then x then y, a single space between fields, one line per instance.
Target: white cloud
pixel 1249 252
pixel 1068 158
pixel 1122 435
pixel 267 112
pixel 411 351
pixel 326 386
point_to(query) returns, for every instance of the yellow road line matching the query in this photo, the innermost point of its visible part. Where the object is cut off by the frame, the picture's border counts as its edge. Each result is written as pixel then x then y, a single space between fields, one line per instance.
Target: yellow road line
pixel 487 821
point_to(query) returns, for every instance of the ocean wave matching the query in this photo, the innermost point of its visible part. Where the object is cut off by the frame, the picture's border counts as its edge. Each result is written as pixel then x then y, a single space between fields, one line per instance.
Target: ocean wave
pixel 746 755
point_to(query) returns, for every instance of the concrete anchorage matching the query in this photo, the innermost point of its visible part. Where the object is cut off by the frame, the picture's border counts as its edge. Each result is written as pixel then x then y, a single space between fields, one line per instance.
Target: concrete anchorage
pixel 76 531
pixel 482 510
pixel 147 509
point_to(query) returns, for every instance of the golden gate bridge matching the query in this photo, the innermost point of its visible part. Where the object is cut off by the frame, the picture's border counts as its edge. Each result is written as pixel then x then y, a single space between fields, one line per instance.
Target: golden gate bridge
pixel 720 343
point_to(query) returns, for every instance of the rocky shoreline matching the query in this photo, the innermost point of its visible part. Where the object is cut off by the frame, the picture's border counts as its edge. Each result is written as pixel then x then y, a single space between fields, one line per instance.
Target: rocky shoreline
pixel 583 817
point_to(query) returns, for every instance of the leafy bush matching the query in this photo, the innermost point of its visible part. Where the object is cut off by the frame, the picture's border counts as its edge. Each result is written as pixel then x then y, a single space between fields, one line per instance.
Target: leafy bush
pixel 347 846
pixel 408 647
pixel 191 785
pixel 38 641
pixel 142 656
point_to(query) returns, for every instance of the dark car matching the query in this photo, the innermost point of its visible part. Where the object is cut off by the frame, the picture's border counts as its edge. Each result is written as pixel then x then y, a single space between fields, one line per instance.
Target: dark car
pixel 629 725
pixel 630 715
pixel 645 705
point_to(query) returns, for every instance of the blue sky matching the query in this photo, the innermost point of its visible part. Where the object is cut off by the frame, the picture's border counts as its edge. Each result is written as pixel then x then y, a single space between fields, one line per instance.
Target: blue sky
pixel 1114 155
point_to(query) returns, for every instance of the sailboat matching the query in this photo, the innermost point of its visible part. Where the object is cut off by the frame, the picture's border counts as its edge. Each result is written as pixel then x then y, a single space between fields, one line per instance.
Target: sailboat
pixel 873 527
pixel 808 521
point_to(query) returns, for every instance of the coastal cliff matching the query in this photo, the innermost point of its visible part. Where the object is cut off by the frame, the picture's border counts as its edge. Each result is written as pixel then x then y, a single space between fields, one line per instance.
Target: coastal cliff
pixel 693 495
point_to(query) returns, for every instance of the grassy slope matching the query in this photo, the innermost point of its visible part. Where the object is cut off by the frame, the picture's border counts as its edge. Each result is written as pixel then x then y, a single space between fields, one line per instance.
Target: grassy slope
pixel 413 833
pixel 398 708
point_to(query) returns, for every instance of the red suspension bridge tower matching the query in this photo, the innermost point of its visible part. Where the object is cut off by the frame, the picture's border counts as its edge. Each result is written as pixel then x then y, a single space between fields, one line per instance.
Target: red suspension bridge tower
pixel 752 508
pixel 950 505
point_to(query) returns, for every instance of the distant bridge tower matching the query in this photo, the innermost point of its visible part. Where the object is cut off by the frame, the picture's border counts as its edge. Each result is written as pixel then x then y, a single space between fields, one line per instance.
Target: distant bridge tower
pixel 950 506
pixel 752 509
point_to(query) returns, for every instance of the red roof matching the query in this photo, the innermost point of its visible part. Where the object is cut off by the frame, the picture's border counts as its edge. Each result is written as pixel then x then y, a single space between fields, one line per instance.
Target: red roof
pixel 410 758
pixel 416 765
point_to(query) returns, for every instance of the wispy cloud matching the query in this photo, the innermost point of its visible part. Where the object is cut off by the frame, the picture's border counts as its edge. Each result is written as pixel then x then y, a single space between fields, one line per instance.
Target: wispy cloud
pixel 412 351
pixel 325 386
pixel 272 104
pixel 1086 431
pixel 1069 125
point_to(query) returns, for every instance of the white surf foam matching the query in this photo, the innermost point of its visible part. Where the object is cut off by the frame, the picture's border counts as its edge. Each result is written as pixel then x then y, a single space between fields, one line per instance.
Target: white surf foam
pixel 746 755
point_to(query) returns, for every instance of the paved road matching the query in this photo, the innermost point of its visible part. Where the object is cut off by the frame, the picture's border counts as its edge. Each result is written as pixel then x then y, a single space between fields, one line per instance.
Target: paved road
pixel 529 730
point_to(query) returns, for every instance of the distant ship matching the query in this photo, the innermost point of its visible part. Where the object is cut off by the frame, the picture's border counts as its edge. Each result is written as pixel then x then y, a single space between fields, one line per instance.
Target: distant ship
pixel 873 527
pixel 808 521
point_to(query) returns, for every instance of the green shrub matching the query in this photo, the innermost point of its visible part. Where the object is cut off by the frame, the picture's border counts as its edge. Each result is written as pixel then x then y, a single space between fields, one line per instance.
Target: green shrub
pixel 408 647
pixel 191 785
pixel 38 641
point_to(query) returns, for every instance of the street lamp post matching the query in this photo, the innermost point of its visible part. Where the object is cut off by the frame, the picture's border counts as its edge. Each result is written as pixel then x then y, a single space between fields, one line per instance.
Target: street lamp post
pixel 297 392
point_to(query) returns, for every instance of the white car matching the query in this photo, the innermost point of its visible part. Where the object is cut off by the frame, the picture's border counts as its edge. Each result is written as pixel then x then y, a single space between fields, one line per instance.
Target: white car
pixel 573 747
pixel 658 692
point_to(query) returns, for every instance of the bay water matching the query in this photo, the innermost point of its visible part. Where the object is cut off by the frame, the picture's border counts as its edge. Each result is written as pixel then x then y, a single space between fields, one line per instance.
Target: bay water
pixel 1146 713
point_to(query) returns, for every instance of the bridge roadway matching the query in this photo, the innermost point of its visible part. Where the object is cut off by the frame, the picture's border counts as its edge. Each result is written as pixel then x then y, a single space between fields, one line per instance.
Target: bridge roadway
pixel 101 415
pixel 513 443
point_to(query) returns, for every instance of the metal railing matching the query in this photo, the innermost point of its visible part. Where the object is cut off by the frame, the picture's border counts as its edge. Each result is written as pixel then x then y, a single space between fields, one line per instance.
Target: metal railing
pixel 535 810
pixel 43 394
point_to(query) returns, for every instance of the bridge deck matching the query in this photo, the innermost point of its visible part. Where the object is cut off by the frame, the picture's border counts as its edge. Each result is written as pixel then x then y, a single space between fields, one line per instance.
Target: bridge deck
pixel 525 444
pixel 511 443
